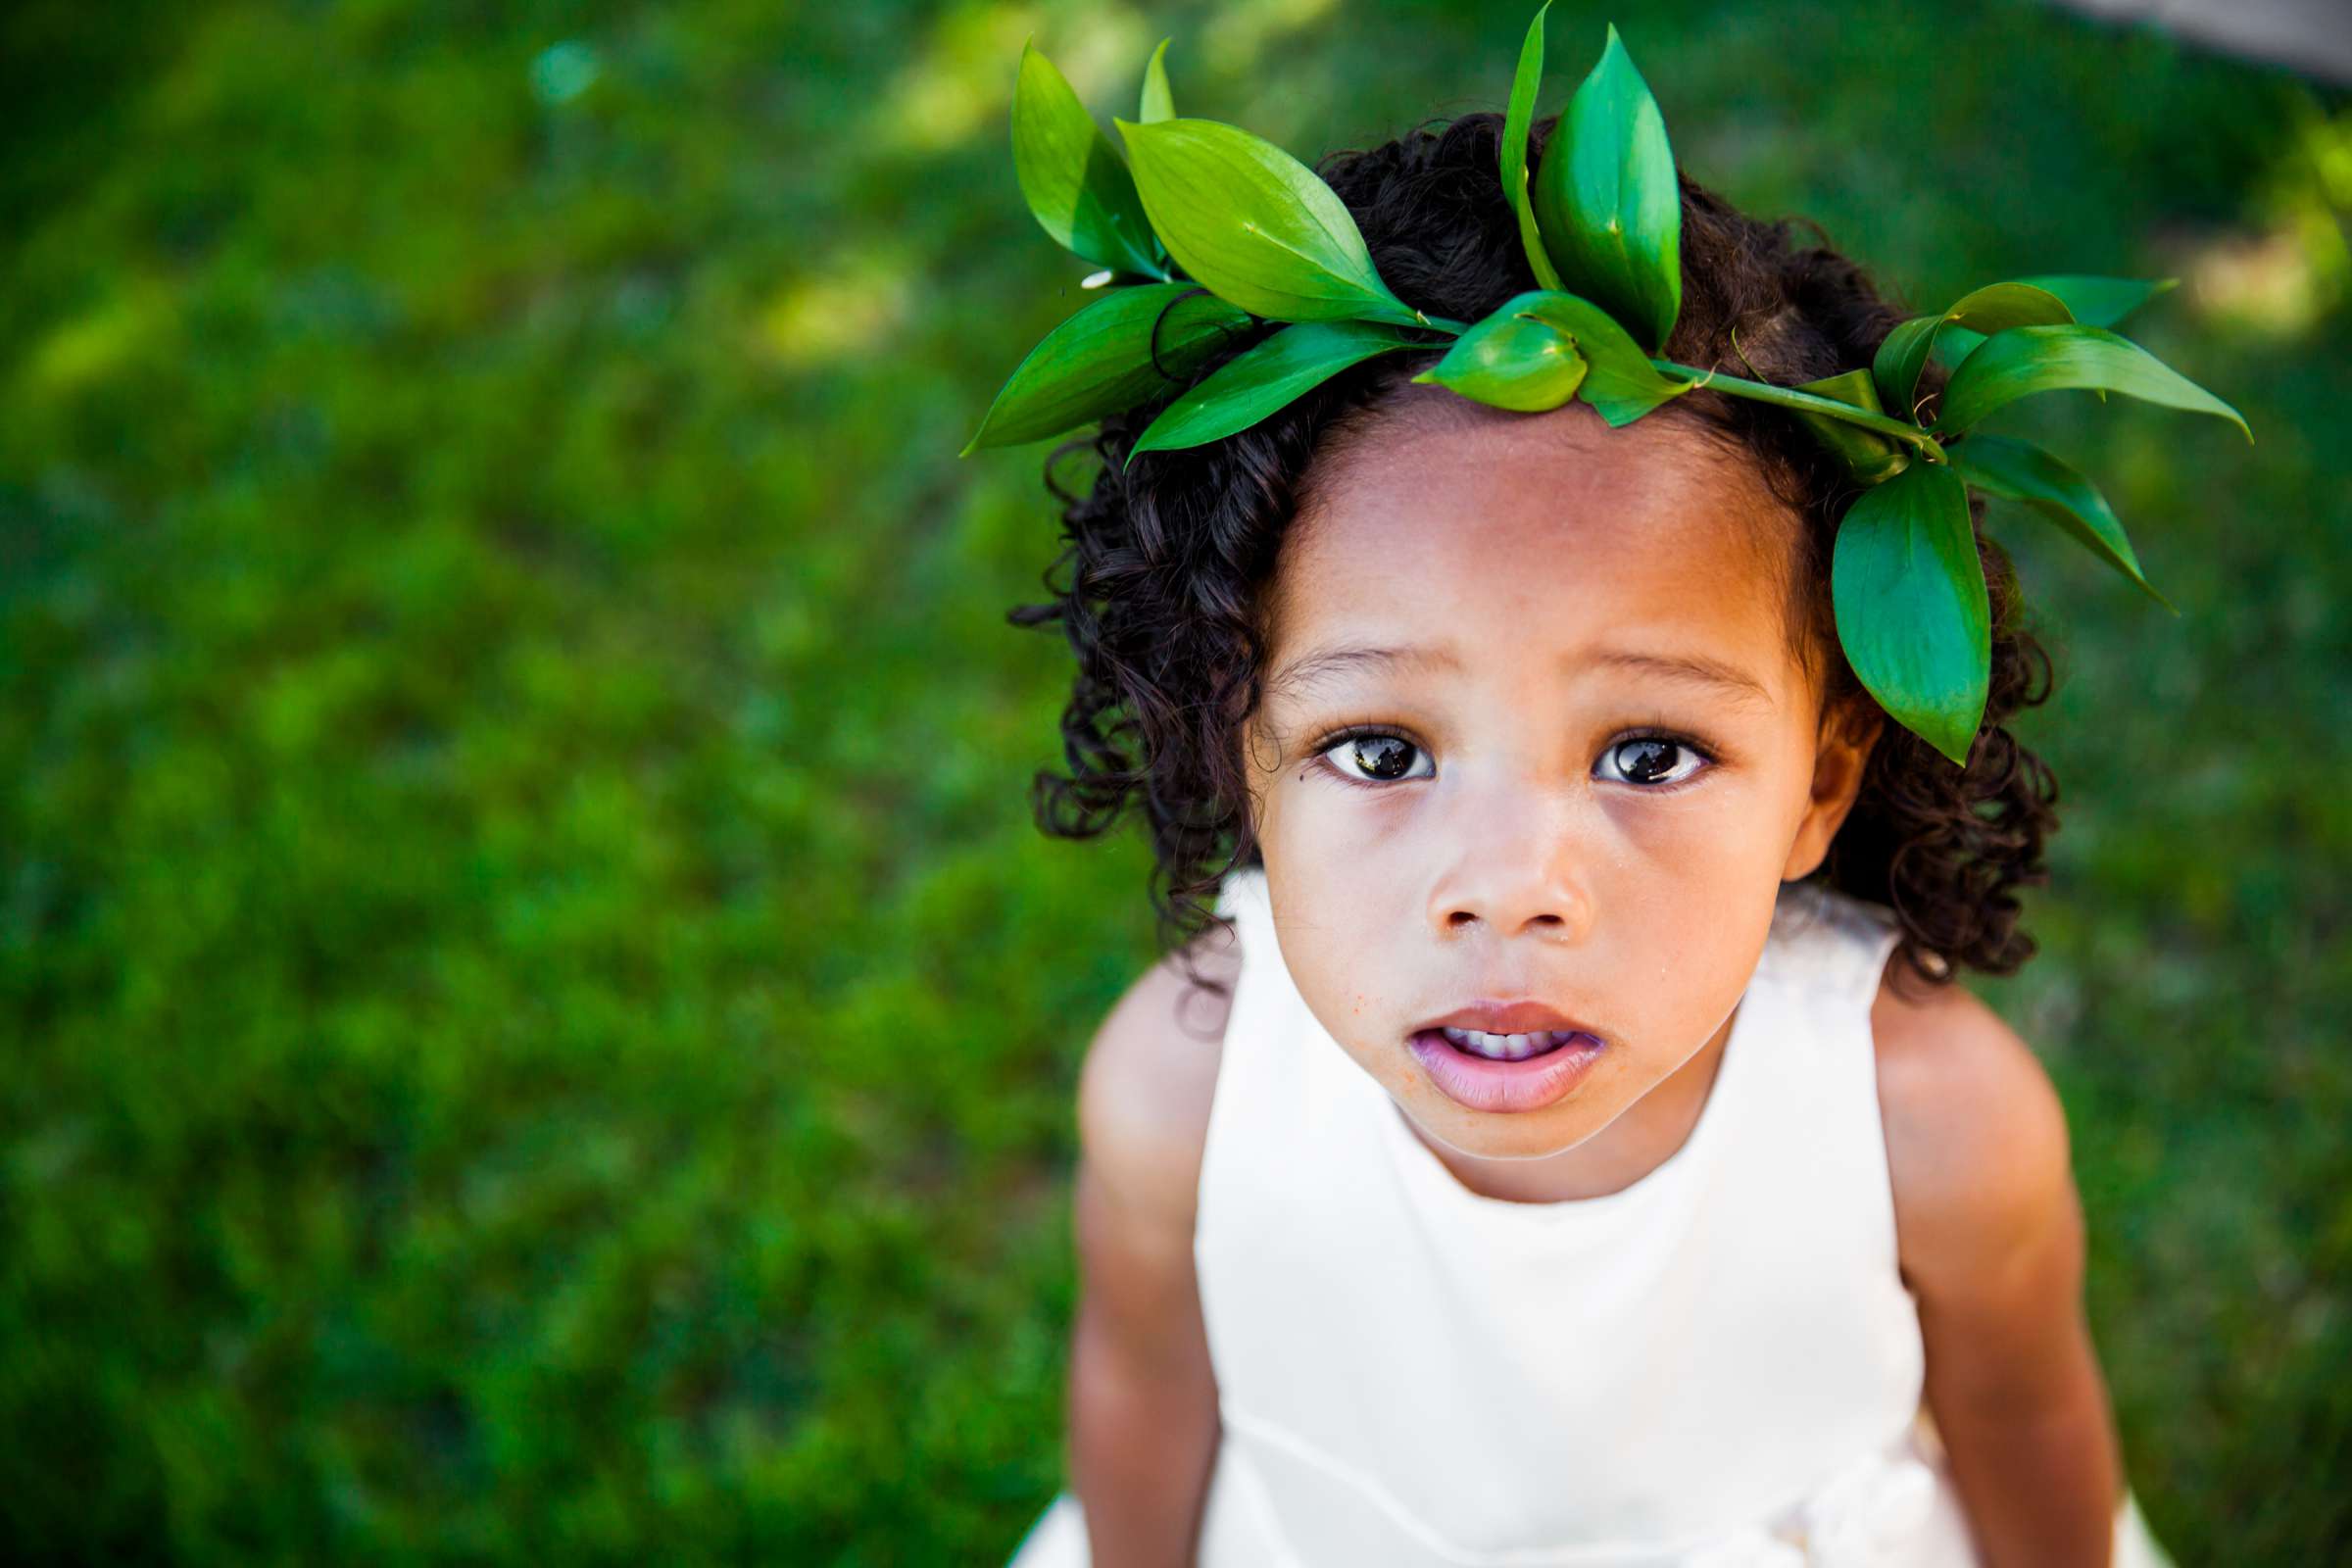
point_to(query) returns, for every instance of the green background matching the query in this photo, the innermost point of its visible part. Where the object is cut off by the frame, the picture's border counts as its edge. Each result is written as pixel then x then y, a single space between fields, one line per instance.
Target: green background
pixel 533 1023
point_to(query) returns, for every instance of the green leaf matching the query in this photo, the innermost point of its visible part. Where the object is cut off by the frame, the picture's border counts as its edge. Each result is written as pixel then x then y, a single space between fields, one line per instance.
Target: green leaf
pixel 1895 369
pixel 1071 175
pixel 1998 307
pixel 1515 125
pixel 1255 225
pixel 1871 458
pixel 1511 359
pixel 1993 309
pixel 2025 359
pixel 1620 382
pixel 1618 378
pixel 1264 379
pixel 1913 613
pixel 2094 302
pixel 1159 103
pixel 2016 471
pixel 1606 202
pixel 1099 361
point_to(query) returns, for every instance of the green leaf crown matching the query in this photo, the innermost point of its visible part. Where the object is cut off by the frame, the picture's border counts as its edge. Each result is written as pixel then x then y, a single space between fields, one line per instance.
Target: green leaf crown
pixel 1203 232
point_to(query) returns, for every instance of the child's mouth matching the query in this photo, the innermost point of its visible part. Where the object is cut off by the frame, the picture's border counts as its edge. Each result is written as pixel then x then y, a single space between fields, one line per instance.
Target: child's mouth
pixel 1505 1073
pixel 1509 1048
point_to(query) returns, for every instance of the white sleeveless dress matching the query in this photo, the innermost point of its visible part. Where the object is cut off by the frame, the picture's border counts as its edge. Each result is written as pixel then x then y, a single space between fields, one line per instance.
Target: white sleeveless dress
pixel 1716 1367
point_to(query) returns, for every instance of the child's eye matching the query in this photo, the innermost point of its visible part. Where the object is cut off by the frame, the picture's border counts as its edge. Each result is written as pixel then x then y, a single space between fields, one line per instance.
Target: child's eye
pixel 1373 758
pixel 1649 760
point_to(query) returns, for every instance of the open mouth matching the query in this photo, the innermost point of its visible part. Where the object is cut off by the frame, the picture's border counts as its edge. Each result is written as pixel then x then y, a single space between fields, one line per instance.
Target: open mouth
pixel 1505 1073
pixel 1507 1048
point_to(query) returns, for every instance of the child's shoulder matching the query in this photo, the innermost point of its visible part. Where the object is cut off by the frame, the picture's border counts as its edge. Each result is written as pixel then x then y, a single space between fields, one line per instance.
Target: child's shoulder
pixel 1150 1074
pixel 1977 1144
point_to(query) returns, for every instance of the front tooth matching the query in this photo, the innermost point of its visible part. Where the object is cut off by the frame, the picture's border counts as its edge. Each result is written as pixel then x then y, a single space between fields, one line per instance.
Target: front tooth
pixel 1505 1047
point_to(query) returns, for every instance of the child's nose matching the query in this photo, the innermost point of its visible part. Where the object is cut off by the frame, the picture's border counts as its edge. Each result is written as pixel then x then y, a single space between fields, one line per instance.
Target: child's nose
pixel 1520 872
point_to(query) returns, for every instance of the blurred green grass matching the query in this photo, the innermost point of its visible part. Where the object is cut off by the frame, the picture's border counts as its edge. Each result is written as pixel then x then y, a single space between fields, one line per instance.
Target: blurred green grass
pixel 536 1025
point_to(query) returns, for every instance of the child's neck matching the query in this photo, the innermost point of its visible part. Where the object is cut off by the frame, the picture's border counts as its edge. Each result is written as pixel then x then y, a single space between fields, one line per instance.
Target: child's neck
pixel 1644 1135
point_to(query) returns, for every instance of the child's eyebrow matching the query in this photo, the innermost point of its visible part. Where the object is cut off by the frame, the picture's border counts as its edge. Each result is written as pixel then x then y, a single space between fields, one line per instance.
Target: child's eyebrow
pixel 1707 672
pixel 1322 663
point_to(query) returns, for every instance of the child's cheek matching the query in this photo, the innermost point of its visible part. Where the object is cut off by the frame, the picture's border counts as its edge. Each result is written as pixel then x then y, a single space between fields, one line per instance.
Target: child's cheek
pixel 1695 837
pixel 1347 892
pixel 1325 815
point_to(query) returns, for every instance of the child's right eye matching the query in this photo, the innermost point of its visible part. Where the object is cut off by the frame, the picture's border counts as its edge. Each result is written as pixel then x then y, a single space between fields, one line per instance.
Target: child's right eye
pixel 1374 758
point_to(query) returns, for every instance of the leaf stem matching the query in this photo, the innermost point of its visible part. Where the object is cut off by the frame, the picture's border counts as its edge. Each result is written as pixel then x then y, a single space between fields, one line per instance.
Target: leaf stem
pixel 1790 398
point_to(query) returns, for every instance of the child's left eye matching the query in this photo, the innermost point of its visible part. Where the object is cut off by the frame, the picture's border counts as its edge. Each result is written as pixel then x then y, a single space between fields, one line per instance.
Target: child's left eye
pixel 1648 759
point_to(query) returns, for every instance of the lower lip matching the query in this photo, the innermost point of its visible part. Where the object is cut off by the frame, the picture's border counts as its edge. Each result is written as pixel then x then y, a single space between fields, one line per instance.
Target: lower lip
pixel 1527 1084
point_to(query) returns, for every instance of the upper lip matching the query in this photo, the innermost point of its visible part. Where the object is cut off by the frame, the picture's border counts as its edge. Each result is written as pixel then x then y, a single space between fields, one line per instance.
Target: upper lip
pixel 1507 1018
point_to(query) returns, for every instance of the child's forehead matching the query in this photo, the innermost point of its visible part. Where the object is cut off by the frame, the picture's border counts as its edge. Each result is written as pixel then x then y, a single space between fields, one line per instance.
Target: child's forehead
pixel 1547 512
pixel 1422 432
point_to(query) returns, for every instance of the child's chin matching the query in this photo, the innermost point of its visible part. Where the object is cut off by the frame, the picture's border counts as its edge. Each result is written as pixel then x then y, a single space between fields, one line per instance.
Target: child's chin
pixel 1534 1135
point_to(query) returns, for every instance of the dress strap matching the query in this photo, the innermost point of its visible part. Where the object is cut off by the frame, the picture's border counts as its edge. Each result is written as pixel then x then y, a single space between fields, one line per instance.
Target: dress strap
pixel 1831 940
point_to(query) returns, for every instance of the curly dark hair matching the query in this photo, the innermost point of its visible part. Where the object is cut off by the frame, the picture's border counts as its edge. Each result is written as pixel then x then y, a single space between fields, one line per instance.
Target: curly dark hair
pixel 1158 586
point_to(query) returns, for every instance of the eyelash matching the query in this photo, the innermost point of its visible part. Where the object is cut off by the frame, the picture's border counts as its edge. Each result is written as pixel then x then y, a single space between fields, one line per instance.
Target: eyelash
pixel 1331 742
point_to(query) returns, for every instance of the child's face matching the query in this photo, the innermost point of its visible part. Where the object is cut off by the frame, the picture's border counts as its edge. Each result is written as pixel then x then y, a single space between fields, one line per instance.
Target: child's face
pixel 1584 755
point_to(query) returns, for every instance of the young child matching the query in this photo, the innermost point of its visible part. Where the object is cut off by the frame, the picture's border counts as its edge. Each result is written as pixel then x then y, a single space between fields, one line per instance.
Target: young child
pixel 1570 1148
